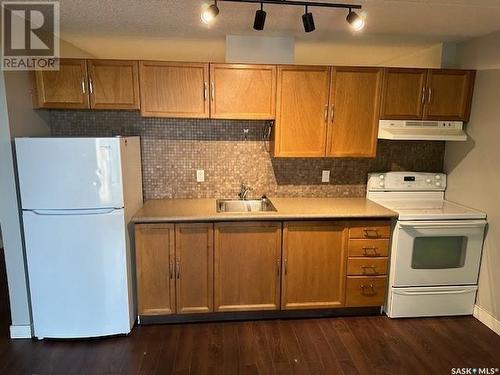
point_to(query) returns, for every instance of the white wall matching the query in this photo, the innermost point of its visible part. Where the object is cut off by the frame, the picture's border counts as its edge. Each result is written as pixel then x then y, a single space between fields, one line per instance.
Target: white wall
pixel 374 52
pixel 473 167
pixel 17 119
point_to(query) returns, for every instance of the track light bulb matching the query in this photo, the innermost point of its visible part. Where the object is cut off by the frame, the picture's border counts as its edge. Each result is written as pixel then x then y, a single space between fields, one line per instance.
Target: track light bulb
pixel 356 22
pixel 308 21
pixel 260 18
pixel 209 14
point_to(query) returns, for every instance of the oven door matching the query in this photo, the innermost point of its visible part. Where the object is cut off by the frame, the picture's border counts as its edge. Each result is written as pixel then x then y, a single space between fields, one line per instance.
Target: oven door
pixel 432 253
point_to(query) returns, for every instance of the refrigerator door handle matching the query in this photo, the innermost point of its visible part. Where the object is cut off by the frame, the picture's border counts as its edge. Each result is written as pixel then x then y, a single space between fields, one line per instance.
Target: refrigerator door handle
pixel 93 211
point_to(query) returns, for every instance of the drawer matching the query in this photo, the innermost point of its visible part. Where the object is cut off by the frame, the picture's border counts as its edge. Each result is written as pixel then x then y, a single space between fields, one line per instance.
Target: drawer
pixel 366 266
pixel 368 248
pixel 365 291
pixel 370 229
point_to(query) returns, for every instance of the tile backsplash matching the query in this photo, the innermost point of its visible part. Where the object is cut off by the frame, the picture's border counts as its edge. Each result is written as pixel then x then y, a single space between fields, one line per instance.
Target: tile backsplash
pixel 233 151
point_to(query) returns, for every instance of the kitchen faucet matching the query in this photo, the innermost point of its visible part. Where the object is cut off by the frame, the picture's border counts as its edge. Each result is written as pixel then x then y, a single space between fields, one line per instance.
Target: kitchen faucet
pixel 244 189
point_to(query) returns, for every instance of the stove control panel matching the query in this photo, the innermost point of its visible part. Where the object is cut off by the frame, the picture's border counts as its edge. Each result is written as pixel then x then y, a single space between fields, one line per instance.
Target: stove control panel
pixel 406 181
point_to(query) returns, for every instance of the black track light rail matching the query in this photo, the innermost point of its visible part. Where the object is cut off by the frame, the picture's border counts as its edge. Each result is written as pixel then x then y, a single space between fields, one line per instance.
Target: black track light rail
pixel 297 3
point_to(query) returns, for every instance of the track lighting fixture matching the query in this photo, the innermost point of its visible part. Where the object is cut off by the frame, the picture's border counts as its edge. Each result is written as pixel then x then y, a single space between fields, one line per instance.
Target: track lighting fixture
pixel 260 18
pixel 209 14
pixel 308 21
pixel 356 22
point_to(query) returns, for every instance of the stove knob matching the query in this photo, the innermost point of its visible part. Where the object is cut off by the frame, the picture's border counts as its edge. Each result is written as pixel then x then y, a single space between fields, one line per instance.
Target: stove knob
pixel 381 176
pixel 428 180
pixel 438 183
pixel 381 183
pixel 438 177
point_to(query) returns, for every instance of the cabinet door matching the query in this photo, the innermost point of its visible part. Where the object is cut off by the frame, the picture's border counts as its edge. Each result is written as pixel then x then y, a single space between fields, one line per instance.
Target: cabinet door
pixel 242 91
pixel 449 94
pixel 174 89
pixel 314 263
pixel 154 250
pixel 301 111
pixel 403 94
pixel 113 84
pixel 247 266
pixel 194 257
pixel 354 112
pixel 65 88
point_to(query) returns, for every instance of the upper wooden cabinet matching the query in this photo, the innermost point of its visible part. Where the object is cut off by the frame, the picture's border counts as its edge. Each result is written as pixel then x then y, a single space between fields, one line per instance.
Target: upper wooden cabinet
pixel 449 94
pixel 113 84
pixel 242 91
pixel 428 94
pixel 154 251
pixel 247 266
pixel 354 102
pixel 65 88
pixel 301 111
pixel 314 267
pixel 403 94
pixel 174 89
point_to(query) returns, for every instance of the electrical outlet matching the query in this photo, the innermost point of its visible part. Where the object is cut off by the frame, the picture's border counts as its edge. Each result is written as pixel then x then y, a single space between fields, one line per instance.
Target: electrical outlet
pixel 200 175
pixel 325 176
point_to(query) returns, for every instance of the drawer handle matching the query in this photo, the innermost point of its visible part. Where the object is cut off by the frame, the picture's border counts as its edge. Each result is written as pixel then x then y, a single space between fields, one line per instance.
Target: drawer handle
pixel 372 268
pixel 370 251
pixel 368 290
pixel 371 232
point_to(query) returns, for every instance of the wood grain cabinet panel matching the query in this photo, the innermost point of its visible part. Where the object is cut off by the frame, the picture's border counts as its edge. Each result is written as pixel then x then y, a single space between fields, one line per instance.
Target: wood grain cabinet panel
pixel 113 84
pixel 354 112
pixel 66 88
pixel 314 255
pixel 247 264
pixel 366 266
pixel 365 291
pixel 370 229
pixel 194 259
pixel 154 248
pixel 242 91
pixel 174 89
pixel 368 247
pixel 449 94
pixel 301 111
pixel 403 95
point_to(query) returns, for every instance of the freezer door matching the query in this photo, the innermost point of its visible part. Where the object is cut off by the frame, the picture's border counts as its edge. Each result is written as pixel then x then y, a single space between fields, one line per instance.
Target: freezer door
pixel 77 269
pixel 69 173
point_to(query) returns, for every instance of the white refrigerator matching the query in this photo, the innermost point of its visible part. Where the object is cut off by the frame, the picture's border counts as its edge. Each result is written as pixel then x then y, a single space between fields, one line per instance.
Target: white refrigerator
pixel 78 196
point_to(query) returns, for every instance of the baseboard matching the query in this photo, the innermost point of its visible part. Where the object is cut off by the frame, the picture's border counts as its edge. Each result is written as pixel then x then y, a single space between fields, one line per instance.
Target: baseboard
pixel 487 319
pixel 20 332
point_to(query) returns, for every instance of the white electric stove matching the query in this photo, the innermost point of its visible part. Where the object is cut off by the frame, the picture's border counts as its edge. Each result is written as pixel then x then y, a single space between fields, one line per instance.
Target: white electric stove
pixel 436 246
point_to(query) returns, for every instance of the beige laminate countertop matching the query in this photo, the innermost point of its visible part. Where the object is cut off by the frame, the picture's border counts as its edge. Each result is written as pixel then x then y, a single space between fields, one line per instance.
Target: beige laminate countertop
pixel 185 210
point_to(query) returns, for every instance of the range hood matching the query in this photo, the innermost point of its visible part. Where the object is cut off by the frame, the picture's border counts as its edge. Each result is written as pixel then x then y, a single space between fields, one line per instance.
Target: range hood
pixel 421 130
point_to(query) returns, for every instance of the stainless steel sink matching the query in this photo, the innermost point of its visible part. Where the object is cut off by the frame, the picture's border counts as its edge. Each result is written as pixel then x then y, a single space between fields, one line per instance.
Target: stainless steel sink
pixel 240 205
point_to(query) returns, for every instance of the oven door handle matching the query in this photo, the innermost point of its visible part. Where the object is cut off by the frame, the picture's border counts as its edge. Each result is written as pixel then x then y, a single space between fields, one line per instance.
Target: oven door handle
pixel 408 293
pixel 442 224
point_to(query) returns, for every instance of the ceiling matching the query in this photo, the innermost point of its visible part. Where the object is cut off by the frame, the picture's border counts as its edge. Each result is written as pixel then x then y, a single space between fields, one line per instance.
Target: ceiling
pixel 430 20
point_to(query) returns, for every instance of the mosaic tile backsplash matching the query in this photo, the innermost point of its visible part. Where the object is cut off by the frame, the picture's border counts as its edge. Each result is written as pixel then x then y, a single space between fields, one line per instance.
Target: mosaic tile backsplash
pixel 233 151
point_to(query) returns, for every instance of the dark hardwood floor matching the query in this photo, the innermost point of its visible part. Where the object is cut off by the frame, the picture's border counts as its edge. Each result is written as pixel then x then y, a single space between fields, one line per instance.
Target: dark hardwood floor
pixel 354 345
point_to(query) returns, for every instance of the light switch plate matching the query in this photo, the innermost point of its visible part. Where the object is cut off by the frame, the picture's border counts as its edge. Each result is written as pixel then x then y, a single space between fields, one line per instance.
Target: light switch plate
pixel 325 176
pixel 200 175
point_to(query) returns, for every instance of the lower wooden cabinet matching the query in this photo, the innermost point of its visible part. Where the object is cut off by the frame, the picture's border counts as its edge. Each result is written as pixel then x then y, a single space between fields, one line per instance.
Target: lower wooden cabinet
pixel 188 268
pixel 154 252
pixel 247 266
pixel 194 264
pixel 313 264
pixel 174 268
